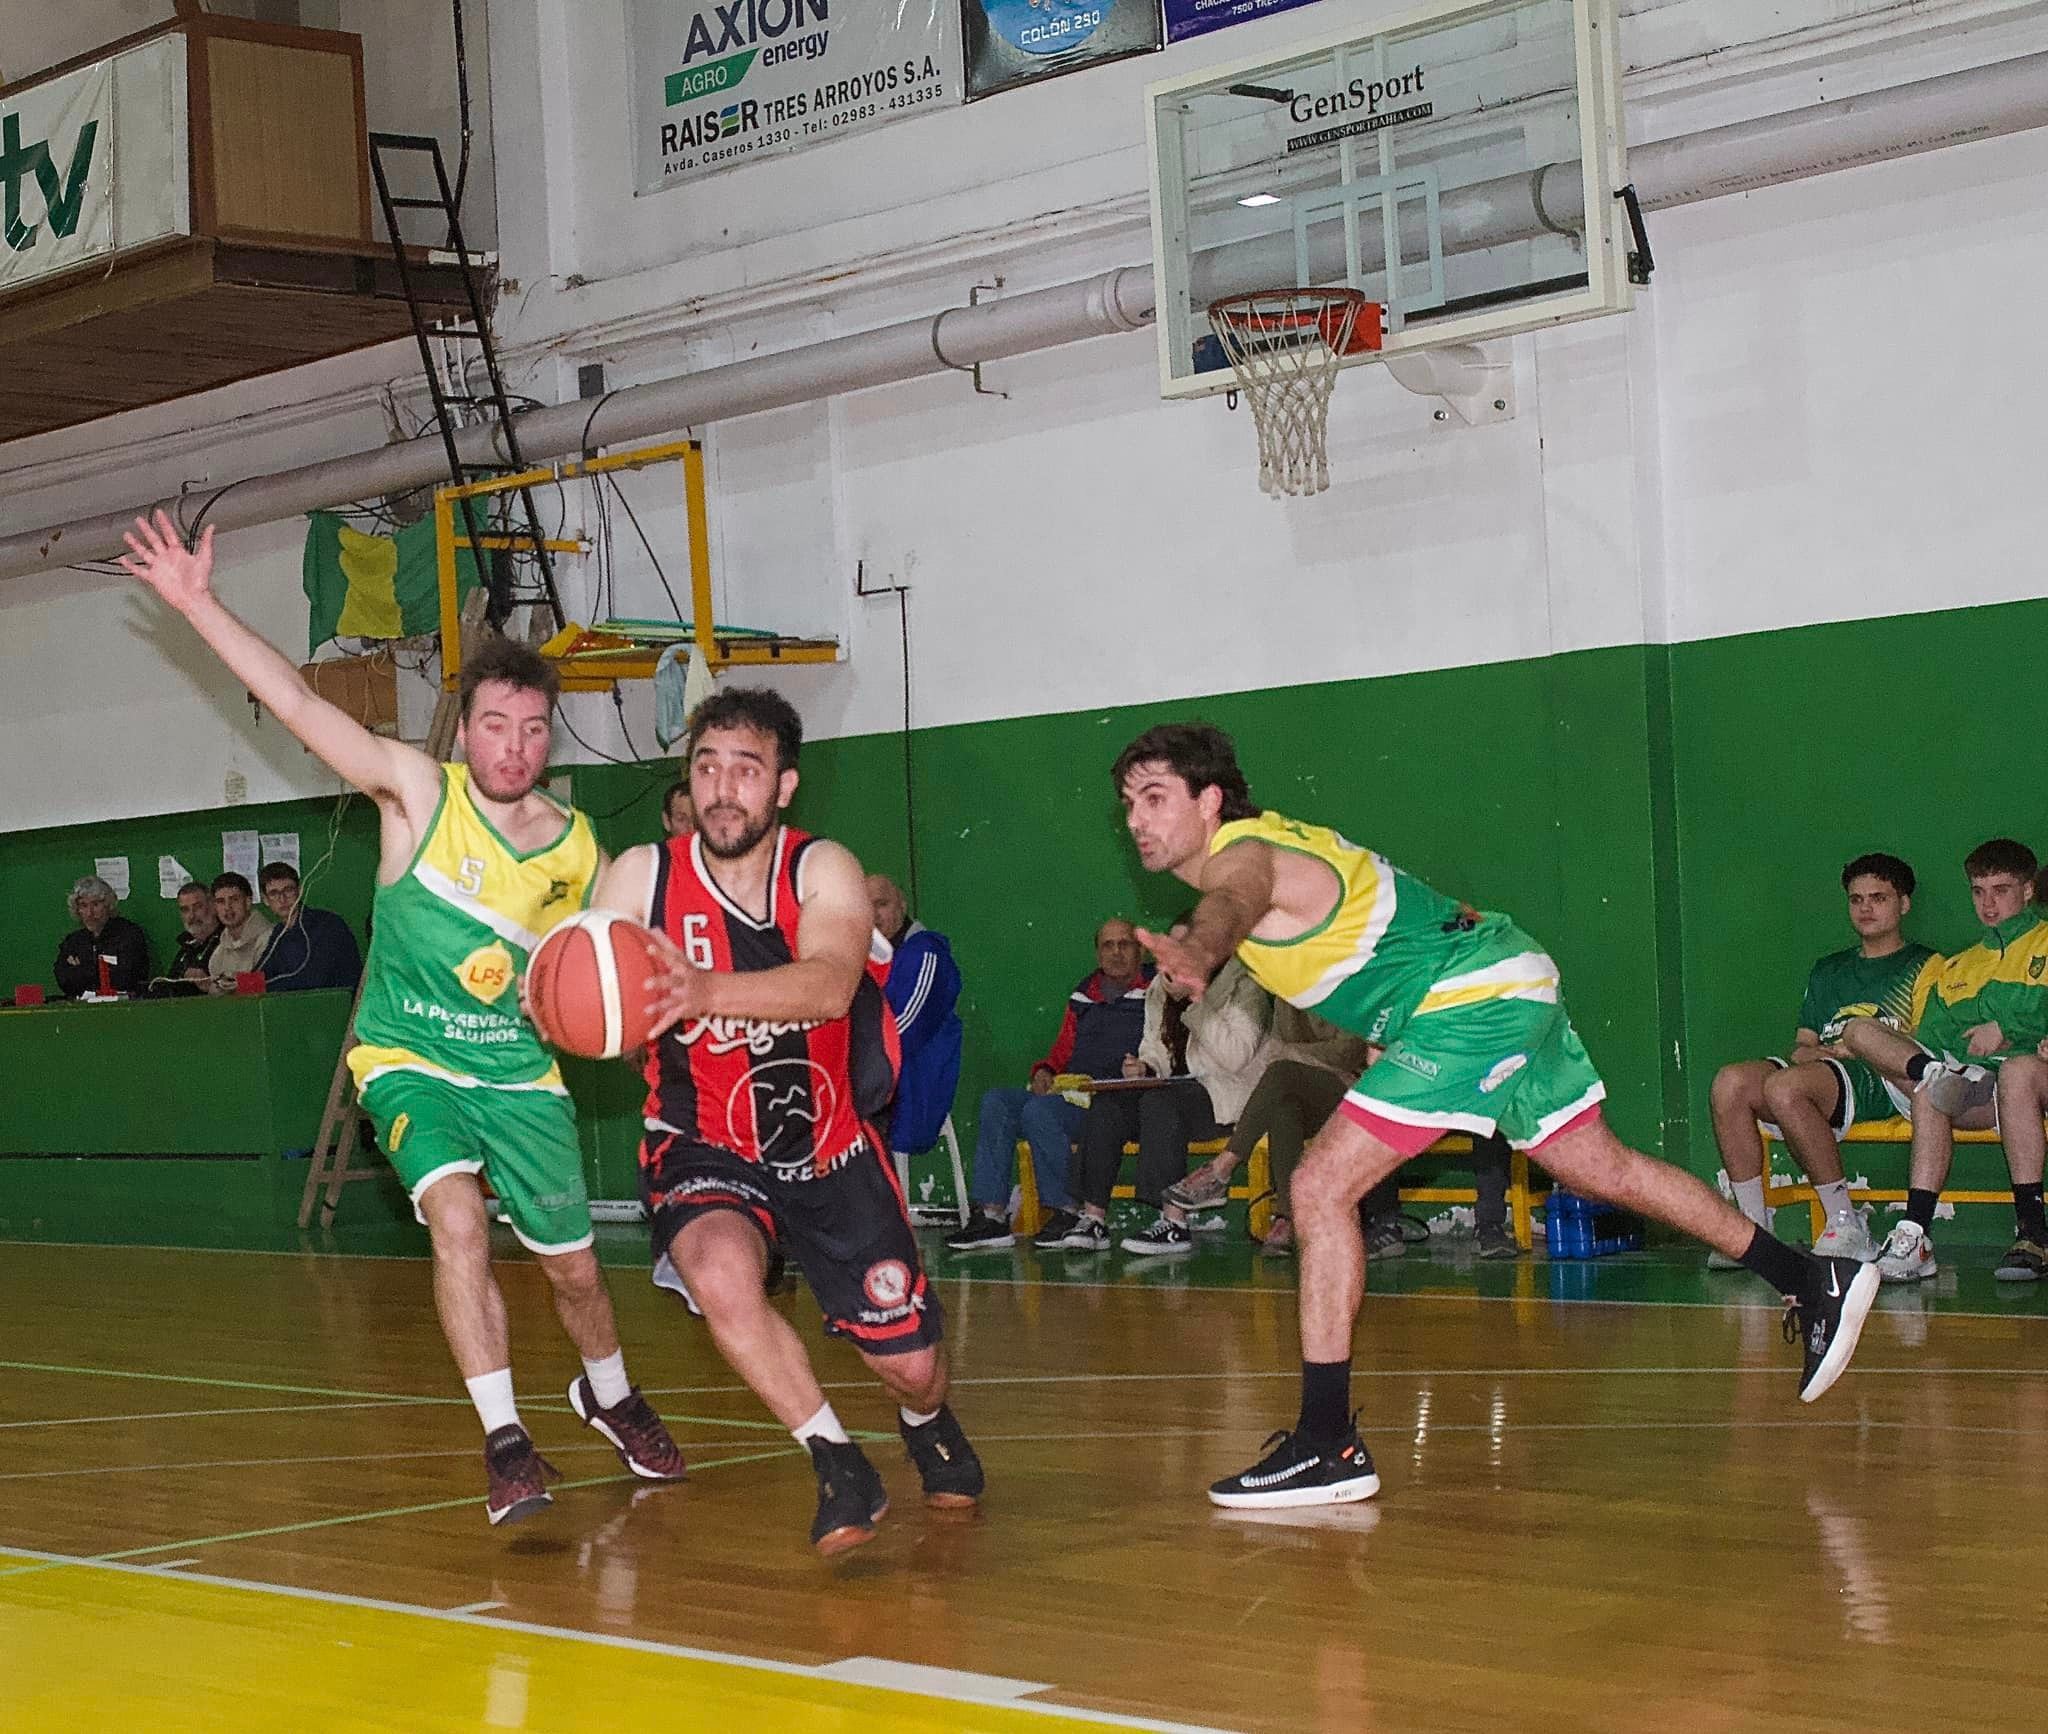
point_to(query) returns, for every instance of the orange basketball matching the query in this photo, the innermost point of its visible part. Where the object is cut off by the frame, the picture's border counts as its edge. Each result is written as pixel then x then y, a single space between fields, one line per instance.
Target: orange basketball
pixel 588 982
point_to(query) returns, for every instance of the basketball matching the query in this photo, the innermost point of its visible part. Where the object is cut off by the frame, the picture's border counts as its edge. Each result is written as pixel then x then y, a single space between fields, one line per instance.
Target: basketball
pixel 587 985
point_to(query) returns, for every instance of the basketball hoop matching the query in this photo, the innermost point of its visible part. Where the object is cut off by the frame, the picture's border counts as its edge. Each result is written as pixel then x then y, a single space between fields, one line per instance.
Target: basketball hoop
pixel 1285 346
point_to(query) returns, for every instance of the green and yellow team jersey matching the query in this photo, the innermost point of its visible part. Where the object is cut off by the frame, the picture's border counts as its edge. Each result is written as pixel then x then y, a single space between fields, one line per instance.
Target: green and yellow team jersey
pixel 1892 989
pixel 2002 980
pixel 451 938
pixel 1390 948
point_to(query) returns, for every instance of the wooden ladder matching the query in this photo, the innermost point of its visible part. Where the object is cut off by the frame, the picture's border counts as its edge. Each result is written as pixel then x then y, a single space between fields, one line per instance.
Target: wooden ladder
pixel 334 1147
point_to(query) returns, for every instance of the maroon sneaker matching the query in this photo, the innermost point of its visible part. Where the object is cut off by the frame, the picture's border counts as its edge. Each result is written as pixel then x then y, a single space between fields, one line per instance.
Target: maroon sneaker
pixel 519 1476
pixel 634 1431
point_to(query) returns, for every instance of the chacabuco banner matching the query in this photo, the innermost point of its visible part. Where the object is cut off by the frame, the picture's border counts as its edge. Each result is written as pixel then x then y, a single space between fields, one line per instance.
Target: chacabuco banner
pixel 718 82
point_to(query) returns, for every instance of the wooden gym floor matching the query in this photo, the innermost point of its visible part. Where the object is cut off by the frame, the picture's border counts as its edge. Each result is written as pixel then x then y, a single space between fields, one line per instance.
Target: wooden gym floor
pixel 242 1491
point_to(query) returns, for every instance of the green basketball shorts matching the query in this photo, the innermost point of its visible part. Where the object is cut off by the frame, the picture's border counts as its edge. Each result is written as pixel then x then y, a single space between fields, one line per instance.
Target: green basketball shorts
pixel 1492 1050
pixel 523 1141
pixel 1862 1094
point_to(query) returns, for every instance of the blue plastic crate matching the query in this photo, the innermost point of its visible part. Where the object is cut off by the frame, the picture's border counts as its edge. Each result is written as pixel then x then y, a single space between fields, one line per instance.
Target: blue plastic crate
pixel 1585 1228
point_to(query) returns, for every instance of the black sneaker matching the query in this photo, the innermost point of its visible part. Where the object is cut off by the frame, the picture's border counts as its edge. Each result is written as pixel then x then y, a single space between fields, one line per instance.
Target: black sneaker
pixel 946 1463
pixel 851 1497
pixel 1383 1238
pixel 1294 1472
pixel 1064 1231
pixel 983 1233
pixel 1497 1243
pixel 519 1476
pixel 1827 1320
pixel 1161 1238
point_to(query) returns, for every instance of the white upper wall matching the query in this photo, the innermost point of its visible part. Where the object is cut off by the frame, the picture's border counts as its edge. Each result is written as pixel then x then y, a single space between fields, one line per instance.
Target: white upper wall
pixel 1806 419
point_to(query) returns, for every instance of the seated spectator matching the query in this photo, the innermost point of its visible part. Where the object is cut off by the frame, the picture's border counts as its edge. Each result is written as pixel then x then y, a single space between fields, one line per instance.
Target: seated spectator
pixel 1308 1065
pixel 678 816
pixel 244 933
pixel 1207 1056
pixel 106 953
pixel 1105 1021
pixel 1978 1058
pixel 924 987
pixel 1812 1100
pixel 310 947
pixel 190 969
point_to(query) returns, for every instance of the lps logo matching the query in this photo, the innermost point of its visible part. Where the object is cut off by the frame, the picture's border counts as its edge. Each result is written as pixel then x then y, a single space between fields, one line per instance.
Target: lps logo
pixel 1502 1071
pixel 63 192
pixel 887 1285
pixel 1046 26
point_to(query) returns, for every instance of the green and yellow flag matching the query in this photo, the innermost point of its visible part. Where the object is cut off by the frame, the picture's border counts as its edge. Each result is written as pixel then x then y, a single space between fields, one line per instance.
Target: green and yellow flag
pixel 364 586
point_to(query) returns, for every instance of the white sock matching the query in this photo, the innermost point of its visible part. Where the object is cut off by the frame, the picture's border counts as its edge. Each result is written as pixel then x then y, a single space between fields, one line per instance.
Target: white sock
pixel 911 1418
pixel 1834 1197
pixel 608 1381
pixel 823 1425
pixel 1749 1199
pixel 492 1395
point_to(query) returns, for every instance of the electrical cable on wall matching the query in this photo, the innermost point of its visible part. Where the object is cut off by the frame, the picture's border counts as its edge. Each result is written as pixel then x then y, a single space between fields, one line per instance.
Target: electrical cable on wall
pixel 902 594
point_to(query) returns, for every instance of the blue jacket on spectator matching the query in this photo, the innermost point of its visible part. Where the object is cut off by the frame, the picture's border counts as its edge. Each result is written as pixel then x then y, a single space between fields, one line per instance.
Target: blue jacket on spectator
pixel 316 948
pixel 1098 1030
pixel 924 989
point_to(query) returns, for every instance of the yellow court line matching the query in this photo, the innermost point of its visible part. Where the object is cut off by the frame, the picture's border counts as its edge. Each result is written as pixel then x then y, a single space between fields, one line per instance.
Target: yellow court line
pixel 103 1645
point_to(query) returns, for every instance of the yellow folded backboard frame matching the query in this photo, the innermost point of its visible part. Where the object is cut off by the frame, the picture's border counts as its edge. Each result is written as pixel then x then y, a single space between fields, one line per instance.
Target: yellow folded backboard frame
pixel 598 669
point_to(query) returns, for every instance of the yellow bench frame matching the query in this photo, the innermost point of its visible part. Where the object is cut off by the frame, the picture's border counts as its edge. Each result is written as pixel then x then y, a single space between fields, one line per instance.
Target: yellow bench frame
pixel 1258 1185
pixel 1896 1130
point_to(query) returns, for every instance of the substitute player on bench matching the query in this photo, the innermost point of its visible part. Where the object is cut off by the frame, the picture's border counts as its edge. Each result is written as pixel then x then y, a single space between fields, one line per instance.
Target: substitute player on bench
pixel 476 862
pixel 766 1067
pixel 1825 1090
pixel 1476 1038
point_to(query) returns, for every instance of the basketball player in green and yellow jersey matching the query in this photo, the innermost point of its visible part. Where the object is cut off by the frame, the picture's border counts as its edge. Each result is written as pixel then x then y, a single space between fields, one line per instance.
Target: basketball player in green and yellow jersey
pixel 476 862
pixel 1467 1007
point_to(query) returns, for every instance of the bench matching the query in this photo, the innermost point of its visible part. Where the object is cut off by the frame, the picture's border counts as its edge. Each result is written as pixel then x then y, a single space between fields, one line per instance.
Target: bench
pixel 1897 1130
pixel 1257 1187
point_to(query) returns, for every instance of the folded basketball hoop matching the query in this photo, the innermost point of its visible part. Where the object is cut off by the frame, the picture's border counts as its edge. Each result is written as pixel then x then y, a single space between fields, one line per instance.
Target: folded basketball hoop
pixel 1286 346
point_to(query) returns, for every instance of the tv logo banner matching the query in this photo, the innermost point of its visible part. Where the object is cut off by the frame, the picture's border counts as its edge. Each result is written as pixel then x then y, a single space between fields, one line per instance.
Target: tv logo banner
pixel 719 82
pixel 56 176
pixel 1015 42
pixel 93 162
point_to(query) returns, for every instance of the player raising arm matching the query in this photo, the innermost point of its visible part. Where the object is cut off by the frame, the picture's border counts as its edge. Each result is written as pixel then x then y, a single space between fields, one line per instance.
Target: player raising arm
pixel 476 862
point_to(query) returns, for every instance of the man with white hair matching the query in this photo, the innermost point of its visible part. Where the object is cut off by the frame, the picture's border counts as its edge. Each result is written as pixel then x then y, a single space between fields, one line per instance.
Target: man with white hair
pixel 106 953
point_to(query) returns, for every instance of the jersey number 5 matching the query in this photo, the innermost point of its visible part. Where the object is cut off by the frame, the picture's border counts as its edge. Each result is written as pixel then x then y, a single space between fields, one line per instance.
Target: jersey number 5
pixel 697 942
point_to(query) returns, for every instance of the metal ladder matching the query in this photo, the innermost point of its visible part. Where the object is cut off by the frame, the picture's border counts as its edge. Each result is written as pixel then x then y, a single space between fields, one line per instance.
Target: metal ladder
pixel 401 145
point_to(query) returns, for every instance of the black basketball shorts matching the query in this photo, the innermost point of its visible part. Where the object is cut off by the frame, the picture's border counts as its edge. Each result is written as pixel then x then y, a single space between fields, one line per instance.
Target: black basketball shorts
pixel 847 1229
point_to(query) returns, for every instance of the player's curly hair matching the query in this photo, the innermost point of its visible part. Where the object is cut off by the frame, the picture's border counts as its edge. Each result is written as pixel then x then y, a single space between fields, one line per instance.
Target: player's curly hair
pixel 1200 754
pixel 1894 872
pixel 759 708
pixel 515 664
pixel 2000 855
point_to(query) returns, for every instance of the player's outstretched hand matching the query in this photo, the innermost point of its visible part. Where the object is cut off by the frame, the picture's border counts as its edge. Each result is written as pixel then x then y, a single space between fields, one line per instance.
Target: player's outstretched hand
pixel 1177 962
pixel 158 556
pixel 676 990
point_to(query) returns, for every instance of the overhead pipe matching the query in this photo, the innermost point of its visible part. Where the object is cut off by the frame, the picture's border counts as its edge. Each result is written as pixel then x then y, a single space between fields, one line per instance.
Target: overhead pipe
pixel 1984 102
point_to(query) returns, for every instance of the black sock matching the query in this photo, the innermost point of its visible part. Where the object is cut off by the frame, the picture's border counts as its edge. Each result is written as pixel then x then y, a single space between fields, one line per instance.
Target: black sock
pixel 1916 1067
pixel 1920 1203
pixel 1325 1401
pixel 2026 1203
pixel 1786 1271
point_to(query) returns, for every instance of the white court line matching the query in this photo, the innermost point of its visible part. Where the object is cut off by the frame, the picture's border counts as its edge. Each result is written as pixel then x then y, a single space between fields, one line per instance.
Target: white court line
pixel 957 1684
pixel 171 1564
pixel 354 1457
pixel 191 1414
pixel 612 1641
pixel 476 1607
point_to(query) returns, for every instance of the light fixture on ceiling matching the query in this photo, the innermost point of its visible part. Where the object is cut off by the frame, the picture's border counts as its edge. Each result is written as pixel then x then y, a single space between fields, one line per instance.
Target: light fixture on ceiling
pixel 1256 199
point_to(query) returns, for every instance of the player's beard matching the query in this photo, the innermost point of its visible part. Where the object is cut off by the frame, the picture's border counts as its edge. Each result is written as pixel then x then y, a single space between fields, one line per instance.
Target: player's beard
pixel 506 793
pixel 748 840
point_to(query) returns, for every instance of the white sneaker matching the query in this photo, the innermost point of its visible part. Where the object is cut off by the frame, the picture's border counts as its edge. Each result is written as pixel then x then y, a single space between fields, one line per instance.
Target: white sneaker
pixel 1908 1255
pixel 1847 1235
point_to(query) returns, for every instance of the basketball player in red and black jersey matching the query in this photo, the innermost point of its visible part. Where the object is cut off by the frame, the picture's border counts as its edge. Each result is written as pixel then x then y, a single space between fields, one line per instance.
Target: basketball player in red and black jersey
pixel 773 1054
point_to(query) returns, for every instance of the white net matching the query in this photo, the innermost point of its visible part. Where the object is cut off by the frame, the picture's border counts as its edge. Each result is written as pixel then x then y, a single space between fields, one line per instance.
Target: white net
pixel 1286 346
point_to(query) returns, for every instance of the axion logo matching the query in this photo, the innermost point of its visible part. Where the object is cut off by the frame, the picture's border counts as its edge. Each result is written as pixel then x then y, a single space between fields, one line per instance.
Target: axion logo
pixel 720 29
pixel 63 194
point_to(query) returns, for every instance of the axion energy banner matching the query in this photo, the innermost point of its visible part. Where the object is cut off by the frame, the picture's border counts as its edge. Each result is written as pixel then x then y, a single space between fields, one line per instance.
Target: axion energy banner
pixel 719 82
pixel 1013 42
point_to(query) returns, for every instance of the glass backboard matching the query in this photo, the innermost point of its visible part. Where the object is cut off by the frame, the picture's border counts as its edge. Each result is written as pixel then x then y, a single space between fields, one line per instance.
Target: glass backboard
pixel 1459 164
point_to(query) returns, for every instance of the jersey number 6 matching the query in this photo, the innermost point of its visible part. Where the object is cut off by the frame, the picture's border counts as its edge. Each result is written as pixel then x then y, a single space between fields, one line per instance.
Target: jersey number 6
pixel 697 942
